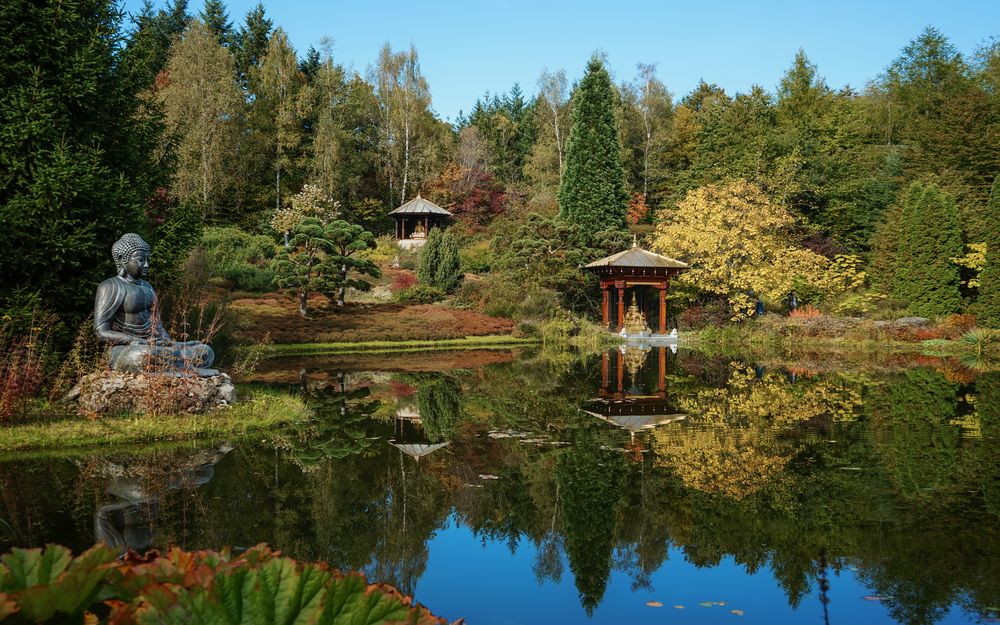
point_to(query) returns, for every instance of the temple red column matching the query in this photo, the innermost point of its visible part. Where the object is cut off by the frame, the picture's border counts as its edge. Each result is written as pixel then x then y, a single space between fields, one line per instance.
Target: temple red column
pixel 605 299
pixel 663 308
pixel 620 285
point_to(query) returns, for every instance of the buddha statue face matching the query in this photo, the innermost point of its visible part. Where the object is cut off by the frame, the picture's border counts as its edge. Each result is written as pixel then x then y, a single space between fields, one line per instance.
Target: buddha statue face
pixel 137 266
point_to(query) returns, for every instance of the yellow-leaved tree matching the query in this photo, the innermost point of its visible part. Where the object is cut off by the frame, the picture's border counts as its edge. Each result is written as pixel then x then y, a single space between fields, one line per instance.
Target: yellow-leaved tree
pixel 737 242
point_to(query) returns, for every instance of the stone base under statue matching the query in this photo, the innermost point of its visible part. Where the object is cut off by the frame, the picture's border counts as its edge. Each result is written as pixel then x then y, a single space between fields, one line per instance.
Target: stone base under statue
pixel 109 392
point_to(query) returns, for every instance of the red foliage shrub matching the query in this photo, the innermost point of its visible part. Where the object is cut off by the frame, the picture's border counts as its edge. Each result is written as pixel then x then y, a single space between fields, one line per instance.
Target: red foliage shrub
pixel 403 280
pixel 637 209
pixel 927 334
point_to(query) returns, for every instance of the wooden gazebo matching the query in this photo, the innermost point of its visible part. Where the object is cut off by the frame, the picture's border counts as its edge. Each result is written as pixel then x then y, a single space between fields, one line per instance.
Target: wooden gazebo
pixel 630 276
pixel 414 221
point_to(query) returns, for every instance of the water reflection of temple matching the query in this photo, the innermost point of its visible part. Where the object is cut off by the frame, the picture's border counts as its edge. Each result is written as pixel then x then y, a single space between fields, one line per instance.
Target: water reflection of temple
pixel 631 396
pixel 409 436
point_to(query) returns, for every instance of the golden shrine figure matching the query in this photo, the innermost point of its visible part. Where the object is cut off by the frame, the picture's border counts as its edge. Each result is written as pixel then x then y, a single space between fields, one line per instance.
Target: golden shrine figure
pixel 635 320
pixel 419 232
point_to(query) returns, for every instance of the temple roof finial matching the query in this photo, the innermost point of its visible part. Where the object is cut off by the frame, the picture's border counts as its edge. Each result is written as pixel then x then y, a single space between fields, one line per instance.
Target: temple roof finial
pixel 635 240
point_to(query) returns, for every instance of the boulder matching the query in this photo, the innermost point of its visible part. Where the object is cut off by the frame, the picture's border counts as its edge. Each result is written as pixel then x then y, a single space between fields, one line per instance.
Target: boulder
pixel 108 392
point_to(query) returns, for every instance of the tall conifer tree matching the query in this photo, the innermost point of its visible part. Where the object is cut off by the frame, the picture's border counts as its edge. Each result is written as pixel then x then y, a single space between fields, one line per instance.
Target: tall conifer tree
pixel 76 145
pixel 988 306
pixel 927 279
pixel 592 192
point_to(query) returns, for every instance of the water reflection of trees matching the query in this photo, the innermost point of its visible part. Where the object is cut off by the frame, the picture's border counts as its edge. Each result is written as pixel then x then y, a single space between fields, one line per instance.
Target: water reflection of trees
pixel 769 469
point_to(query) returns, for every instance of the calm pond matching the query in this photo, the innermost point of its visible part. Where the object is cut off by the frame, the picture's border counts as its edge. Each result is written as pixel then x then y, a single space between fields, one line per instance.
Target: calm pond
pixel 515 487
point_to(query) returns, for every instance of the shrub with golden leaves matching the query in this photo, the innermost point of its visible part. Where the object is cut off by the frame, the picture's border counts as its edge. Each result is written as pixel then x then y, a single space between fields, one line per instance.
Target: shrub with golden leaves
pixel 737 241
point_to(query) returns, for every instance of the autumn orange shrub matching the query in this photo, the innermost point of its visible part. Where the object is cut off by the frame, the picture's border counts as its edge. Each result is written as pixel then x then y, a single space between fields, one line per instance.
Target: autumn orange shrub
pixel 805 312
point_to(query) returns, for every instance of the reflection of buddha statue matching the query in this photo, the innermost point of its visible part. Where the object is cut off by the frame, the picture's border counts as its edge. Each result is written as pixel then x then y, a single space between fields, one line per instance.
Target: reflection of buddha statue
pixel 125 317
pixel 419 232
pixel 635 321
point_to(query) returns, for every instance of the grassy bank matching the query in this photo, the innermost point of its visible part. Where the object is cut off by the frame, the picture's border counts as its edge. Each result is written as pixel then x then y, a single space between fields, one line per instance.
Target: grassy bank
pixel 263 410
pixel 775 334
pixel 354 347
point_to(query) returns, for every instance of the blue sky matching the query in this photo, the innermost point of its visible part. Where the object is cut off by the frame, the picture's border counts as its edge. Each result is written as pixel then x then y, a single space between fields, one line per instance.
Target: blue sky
pixel 468 47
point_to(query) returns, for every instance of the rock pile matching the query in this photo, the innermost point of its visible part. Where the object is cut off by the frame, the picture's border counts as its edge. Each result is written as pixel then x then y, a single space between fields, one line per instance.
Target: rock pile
pixel 107 392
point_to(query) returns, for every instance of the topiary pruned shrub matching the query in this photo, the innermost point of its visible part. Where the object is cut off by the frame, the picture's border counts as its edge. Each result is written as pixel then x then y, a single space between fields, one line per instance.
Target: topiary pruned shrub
pixel 258 586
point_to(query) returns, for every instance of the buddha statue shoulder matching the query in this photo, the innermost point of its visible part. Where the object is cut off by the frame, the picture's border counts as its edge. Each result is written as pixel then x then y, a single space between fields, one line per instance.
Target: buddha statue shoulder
pixel 126 318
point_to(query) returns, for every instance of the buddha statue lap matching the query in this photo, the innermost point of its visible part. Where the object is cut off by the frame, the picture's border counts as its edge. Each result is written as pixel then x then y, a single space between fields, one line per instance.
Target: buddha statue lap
pixel 126 319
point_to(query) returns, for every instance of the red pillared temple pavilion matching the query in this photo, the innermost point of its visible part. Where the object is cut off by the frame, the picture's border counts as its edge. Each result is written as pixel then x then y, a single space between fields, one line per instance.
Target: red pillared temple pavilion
pixel 640 274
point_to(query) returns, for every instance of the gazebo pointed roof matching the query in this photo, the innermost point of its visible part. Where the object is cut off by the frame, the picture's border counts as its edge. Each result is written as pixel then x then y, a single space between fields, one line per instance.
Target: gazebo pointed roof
pixel 637 257
pixel 420 206
pixel 417 450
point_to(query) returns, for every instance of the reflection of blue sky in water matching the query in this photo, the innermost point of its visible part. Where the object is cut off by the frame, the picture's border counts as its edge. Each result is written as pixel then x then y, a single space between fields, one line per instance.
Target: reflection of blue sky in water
pixel 488 585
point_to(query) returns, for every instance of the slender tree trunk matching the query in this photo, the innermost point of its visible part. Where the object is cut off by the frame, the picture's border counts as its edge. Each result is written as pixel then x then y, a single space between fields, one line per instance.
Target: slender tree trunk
pixel 277 187
pixel 342 291
pixel 645 152
pixel 406 156
pixel 559 145
pixel 303 303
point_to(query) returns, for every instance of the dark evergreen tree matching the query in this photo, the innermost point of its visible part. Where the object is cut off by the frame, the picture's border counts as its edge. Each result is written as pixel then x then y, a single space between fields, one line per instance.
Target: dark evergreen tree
pixel 593 480
pixel 148 48
pixel 251 42
pixel 988 305
pixel 592 192
pixel 76 146
pixel 927 280
pixel 216 18
pixel 440 266
pixel 310 65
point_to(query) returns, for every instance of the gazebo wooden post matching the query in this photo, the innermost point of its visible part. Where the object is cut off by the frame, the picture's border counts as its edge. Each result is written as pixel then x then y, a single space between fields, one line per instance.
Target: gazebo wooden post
pixel 620 285
pixel 605 302
pixel 427 226
pixel 663 307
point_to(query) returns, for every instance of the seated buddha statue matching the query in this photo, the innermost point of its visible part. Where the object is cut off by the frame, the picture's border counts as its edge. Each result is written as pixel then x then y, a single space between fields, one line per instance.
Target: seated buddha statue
pixel 126 318
pixel 635 320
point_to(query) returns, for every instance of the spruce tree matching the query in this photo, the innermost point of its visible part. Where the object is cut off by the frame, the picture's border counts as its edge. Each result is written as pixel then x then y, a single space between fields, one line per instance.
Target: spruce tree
pixel 592 192
pixel 440 266
pixel 251 43
pixel 76 149
pixel 988 305
pixel 216 18
pixel 927 280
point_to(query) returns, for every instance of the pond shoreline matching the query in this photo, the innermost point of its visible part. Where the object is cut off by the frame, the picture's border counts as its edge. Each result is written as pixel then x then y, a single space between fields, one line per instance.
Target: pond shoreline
pixel 265 409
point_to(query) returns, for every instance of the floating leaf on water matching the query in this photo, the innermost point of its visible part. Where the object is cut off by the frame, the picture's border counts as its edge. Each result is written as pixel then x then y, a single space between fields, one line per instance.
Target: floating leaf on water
pixel 720 603
pixel 679 606
pixel 654 604
pixel 737 612
pixel 707 604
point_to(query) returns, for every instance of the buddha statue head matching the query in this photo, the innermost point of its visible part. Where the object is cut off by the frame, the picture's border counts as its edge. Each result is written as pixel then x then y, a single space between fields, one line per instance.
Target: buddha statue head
pixel 131 255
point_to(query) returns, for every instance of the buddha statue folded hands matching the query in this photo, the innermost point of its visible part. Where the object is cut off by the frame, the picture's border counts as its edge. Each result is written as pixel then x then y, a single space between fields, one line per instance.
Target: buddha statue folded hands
pixel 126 318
